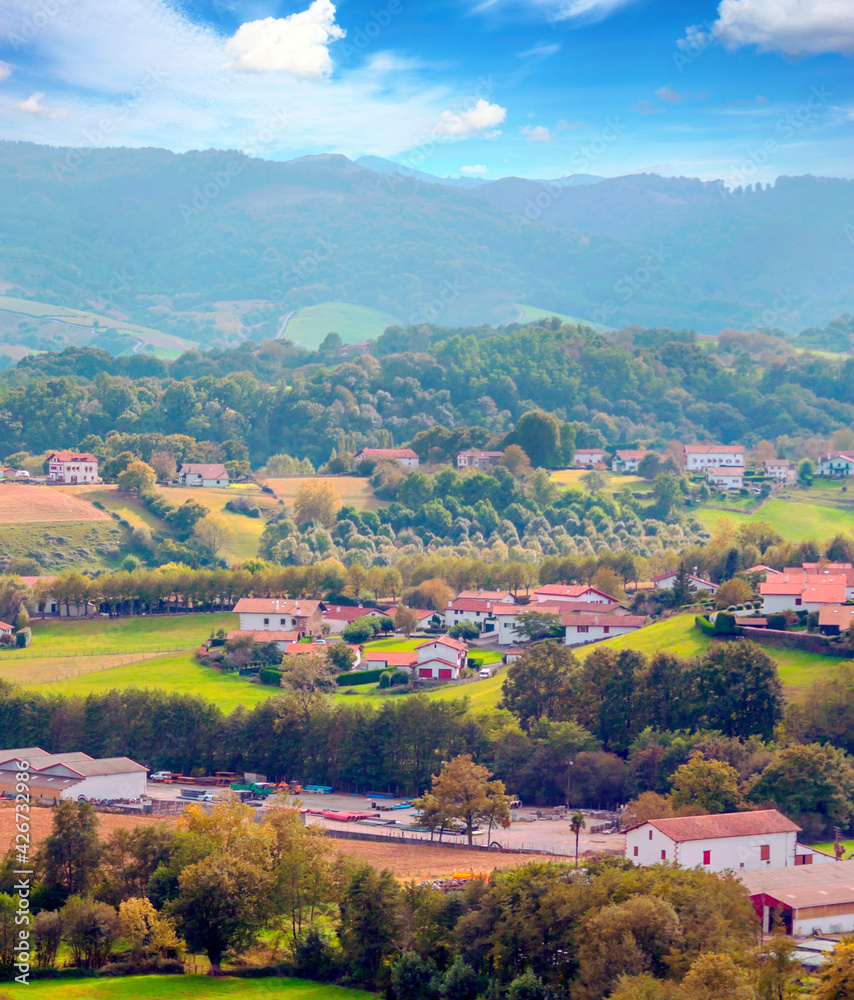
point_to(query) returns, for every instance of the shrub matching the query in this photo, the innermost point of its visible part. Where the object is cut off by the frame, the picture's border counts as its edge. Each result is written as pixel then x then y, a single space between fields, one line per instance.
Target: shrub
pixel 725 624
pixel 24 638
pixel 359 677
pixel 267 675
pixel 777 622
pixel 704 625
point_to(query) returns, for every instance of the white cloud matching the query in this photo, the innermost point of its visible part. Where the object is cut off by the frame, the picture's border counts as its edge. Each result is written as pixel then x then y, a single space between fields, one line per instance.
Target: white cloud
pixel 541 50
pixel 33 106
pixel 796 27
pixel 669 95
pixel 494 134
pixel 5 70
pixel 561 10
pixel 466 123
pixel 297 44
pixel 537 133
pixel 476 170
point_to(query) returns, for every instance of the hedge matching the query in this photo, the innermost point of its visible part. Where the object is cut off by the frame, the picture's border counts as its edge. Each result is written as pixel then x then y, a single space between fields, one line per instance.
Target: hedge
pixel 360 677
pixel 704 625
pixel 268 676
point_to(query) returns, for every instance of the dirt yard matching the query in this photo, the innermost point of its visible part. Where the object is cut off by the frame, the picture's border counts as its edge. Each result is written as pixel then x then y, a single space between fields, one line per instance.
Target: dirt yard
pixel 21 504
pixel 41 820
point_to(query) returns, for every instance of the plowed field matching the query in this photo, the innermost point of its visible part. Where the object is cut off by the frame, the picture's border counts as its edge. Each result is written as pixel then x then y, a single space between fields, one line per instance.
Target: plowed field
pixel 27 504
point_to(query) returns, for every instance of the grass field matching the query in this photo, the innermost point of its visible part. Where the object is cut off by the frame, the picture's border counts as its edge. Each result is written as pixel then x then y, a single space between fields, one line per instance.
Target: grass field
pixel 352 323
pixel 180 988
pixel 120 635
pixel 531 313
pixel 353 490
pixel 614 481
pixel 63 545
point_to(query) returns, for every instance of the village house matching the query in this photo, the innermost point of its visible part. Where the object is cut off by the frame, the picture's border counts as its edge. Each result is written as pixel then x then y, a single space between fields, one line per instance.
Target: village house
pixel 509 618
pixel 830 569
pixel 582 593
pixel 727 479
pixel 589 456
pixel 440 659
pixel 405 457
pixel 496 596
pixel 10 473
pixel 72 467
pixel 426 616
pixel 279 614
pixel 834 619
pixel 696 457
pixel 835 464
pixel 6 630
pixel 338 617
pixel 806 900
pixel 762 838
pixel 627 461
pixel 583 628
pixel 202 474
pixel 667 581
pixel 383 659
pixel 481 460
pixel 801 592
pixel 281 637
pixel 779 468
pixel 474 611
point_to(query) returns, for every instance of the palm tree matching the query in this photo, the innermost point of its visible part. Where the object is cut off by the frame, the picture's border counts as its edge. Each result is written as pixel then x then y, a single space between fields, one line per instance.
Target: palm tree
pixel 577 824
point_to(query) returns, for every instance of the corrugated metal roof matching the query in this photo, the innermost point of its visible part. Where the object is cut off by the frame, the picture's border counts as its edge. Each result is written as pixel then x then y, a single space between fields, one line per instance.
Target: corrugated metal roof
pixel 804 885
pixel 743 824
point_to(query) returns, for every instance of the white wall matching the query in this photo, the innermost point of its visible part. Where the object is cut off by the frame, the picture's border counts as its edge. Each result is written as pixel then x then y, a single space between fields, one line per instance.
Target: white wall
pixel 837 922
pixel 713 458
pixel 736 853
pixel 575 638
pixel 772 604
pixel 130 785
pixel 251 621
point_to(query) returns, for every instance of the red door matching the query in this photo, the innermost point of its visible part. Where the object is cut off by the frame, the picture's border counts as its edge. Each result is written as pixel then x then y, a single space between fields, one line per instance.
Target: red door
pixel 425 672
pixel 445 674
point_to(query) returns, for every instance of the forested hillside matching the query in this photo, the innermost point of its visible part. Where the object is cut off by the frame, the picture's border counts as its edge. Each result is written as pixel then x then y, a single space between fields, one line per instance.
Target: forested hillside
pixel 160 238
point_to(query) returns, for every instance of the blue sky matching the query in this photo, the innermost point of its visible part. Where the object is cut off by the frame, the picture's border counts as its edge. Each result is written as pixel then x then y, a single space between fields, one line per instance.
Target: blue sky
pixel 742 90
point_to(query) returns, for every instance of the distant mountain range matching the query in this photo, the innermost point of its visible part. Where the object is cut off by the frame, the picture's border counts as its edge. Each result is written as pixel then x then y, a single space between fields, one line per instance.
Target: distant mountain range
pixel 170 241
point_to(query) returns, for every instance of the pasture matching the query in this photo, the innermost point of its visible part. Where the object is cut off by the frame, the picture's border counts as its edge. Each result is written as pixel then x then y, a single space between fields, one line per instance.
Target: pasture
pixel 179 988
pixel 613 481
pixel 355 491
pixel 353 324
pixel 531 314
pixel 91 544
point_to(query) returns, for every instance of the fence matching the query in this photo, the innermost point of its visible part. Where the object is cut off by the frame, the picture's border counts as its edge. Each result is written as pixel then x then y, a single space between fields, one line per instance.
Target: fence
pixel 41 655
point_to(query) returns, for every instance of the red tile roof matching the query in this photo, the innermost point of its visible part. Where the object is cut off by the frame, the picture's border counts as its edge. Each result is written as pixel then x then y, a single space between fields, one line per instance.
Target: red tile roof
pixel 713 470
pixel 31 581
pixel 276 606
pixel 714 449
pixel 387 453
pixel 444 640
pixel 472 605
pixel 420 613
pixel 814 588
pixel 484 595
pixel 345 613
pixel 260 635
pixel 628 456
pixel 395 659
pixel 743 824
pixel 559 590
pixel 836 614
pixel 4 627
pixel 72 456
pixel 214 471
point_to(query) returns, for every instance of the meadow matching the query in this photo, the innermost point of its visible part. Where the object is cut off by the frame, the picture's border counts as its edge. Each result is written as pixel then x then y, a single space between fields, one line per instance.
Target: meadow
pixel 64 544
pixel 180 988
pixel 352 323
pixel 355 491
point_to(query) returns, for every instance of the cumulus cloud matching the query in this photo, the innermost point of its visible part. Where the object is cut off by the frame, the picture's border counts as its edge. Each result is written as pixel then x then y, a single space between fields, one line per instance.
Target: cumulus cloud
pixel 467 123
pixel 5 70
pixel 646 107
pixel 795 27
pixel 476 170
pixel 297 44
pixel 537 133
pixel 33 106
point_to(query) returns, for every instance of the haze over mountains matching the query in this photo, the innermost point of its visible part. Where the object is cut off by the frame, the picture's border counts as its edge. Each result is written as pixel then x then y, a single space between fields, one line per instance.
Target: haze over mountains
pixel 185 231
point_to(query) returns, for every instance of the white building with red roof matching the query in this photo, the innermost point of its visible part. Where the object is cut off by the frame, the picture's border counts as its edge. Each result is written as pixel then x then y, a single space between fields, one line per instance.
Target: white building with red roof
pixel 696 457
pixel 667 581
pixel 836 464
pixel 590 457
pixel 554 593
pixel 405 457
pixel 482 460
pixel 779 468
pixel 72 467
pixel 204 474
pixel 627 460
pixel 584 628
pixel 508 620
pixel 476 612
pixel 800 591
pixel 440 659
pixel 498 596
pixel 727 479
pixel 280 614
pixel 762 838
pixel 805 900
pixel 339 616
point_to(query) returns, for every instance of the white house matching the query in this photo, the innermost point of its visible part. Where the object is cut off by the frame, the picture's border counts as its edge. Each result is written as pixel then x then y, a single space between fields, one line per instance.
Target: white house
pixel 627 461
pixel 275 614
pixel 666 581
pixel 202 474
pixel 836 464
pixel 727 479
pixel 807 899
pixel 590 456
pixel 801 592
pixel 830 569
pixel 589 628
pixel 474 611
pixel 508 619
pixel 72 467
pixel 764 838
pixel 779 468
pixel 496 596
pixel 405 457
pixel 440 659
pixel 482 460
pixel 281 637
pixel 552 593
pixel 339 616
pixel 697 457
pixel 74 775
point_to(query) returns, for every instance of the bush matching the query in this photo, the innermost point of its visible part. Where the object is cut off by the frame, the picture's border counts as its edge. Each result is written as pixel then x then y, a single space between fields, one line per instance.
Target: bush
pixel 24 638
pixel 269 676
pixel 385 678
pixel 359 677
pixel 777 622
pixel 704 625
pixel 725 624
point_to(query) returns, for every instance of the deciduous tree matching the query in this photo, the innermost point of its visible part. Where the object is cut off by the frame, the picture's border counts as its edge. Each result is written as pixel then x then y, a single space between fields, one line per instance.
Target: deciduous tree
pixel 317 500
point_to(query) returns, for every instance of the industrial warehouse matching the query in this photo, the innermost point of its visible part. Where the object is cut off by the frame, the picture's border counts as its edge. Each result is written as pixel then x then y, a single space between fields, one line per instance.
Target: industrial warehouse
pixel 73 775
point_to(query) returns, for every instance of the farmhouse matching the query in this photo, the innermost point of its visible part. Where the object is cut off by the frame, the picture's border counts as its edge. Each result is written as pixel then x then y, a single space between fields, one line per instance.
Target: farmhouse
pixel 73 775
pixel 496 596
pixel 728 479
pixel 552 592
pixel 582 628
pixel 509 618
pixel 338 617
pixel 200 474
pixel 6 628
pixel 627 461
pixel 274 614
pixel 589 456
pixel 764 838
pixel 440 659
pixel 801 591
pixel 666 581
pixel 834 619
pixel 831 569
pixel 405 457
pixel 779 468
pixel 696 457
pixel 836 464
pixel 281 638
pixel 72 467
pixel 482 460
pixel 808 899
pixel 474 611
pixel 9 473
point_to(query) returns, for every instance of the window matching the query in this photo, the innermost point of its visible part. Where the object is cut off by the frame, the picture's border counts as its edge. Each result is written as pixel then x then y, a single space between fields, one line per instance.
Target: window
pixel 650 834
pixel 582 628
pixel 798 602
pixel 707 857
pixel 765 852
pixel 266 621
pixel 283 621
pixel 664 855
pixel 636 852
pixel 607 629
